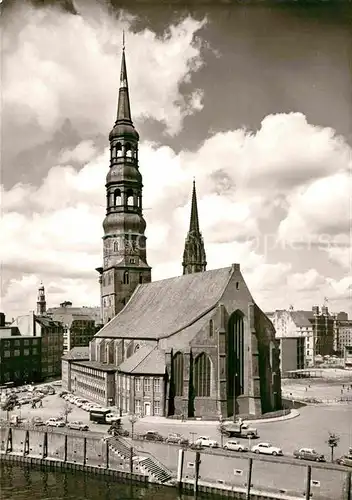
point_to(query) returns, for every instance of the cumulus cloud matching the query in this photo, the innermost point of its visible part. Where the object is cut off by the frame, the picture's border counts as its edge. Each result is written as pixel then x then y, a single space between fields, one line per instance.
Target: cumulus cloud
pixel 64 215
pixel 58 66
pixel 320 208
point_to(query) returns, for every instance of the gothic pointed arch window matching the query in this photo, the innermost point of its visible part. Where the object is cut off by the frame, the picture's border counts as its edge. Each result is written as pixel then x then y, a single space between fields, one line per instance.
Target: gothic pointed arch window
pixel 117 197
pixel 126 278
pixel 177 370
pixel 119 150
pixel 129 197
pixel 202 375
pixel 116 246
pixel 235 355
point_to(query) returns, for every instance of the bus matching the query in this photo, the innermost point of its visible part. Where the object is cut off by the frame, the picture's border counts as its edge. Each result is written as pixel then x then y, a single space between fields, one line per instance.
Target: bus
pixel 99 416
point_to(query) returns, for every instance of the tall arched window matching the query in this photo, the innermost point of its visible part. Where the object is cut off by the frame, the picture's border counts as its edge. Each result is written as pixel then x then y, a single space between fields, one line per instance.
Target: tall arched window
pixel 202 375
pixel 116 246
pixel 235 355
pixel 126 278
pixel 211 328
pixel 177 369
pixel 129 197
pixel 117 197
pixel 140 278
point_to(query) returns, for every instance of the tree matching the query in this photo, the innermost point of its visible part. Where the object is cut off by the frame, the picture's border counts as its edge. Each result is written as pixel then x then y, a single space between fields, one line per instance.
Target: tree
pixel 333 442
pixel 66 411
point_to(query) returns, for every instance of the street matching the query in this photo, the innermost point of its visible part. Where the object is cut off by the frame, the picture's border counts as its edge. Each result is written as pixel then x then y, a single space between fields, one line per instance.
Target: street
pixel 309 429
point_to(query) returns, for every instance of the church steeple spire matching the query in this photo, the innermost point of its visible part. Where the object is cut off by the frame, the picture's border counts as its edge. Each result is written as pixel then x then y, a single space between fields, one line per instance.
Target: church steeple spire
pixel 194 258
pixel 123 107
pixel 41 302
pixel 125 253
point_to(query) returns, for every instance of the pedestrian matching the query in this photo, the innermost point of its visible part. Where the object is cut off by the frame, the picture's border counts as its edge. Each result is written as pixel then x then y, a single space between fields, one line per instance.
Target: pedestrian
pixel 306 389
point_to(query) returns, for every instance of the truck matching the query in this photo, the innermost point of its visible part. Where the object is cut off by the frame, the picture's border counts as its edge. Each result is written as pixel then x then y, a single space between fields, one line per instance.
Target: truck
pixel 234 429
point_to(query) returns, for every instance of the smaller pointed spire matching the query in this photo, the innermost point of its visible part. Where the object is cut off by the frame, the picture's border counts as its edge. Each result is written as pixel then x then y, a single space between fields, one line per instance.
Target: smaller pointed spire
pixel 194 258
pixel 194 221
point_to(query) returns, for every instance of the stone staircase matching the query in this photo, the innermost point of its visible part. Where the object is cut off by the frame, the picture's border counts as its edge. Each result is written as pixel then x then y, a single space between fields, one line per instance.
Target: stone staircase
pixel 153 467
pixel 148 465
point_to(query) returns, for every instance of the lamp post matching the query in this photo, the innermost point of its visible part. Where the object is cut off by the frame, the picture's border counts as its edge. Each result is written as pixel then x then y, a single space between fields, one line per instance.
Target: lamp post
pixel 221 431
pixel 133 419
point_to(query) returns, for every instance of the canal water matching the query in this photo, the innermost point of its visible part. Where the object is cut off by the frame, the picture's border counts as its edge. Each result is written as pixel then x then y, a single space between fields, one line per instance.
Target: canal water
pixel 21 482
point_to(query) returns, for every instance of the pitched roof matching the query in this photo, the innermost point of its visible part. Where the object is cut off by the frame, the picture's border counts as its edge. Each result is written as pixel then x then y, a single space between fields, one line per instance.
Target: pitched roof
pixel 147 360
pixel 302 318
pixel 47 321
pixel 104 367
pixel 162 308
pixel 77 353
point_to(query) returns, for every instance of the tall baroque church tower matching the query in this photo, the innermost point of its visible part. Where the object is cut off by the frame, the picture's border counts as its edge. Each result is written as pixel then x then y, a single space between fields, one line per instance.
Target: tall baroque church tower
pixel 124 243
pixel 194 258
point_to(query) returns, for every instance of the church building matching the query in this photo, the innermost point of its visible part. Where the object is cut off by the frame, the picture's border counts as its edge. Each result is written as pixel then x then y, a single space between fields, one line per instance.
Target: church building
pixel 194 345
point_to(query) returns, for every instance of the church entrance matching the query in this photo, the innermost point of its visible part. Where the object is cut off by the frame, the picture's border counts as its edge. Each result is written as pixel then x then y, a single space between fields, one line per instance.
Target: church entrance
pixel 235 361
pixel 146 409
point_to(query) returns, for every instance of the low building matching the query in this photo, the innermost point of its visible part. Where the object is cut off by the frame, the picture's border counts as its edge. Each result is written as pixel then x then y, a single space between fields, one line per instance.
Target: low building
pixel 295 333
pixel 20 357
pixel 80 324
pixel 75 354
pixel 141 383
pixel 348 356
pixel 303 335
pixel 51 334
pixel 343 334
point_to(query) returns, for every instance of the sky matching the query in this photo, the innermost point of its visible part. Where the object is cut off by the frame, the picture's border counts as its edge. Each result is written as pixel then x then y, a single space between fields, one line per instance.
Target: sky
pixel 254 101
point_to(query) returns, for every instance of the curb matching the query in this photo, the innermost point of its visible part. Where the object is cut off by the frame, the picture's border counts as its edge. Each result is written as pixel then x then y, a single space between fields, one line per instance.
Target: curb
pixel 164 420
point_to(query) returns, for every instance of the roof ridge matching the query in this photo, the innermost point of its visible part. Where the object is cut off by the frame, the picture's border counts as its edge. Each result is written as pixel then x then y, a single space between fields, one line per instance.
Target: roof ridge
pixel 197 318
pixel 141 361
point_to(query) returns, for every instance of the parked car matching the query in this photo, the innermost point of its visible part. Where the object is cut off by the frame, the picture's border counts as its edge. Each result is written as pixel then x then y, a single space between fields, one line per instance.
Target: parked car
pixel 309 454
pixel 152 436
pixel 207 442
pixel 267 449
pixel 78 425
pixel 175 438
pixel 233 429
pixel 37 421
pixel 55 422
pixel 345 460
pixel 235 446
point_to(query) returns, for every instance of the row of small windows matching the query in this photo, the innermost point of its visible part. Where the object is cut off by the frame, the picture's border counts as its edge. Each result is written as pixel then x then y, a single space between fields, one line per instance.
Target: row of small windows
pixel 116 198
pixel 119 150
pixel 107 280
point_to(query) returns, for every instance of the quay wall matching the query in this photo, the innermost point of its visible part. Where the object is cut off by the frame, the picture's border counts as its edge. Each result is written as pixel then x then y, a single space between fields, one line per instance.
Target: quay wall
pixel 219 474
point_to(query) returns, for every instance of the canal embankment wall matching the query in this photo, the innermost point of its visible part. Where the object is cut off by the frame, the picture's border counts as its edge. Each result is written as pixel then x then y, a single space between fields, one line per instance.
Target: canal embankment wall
pixel 216 474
